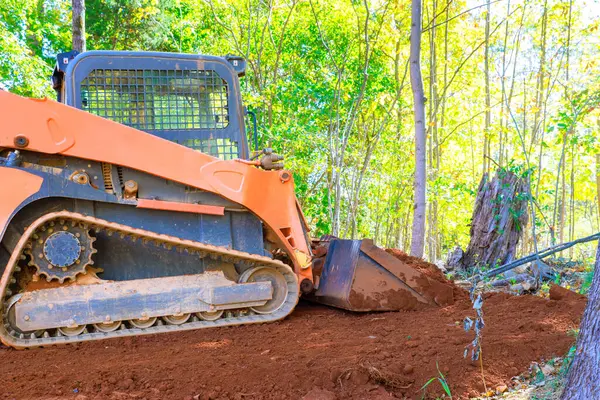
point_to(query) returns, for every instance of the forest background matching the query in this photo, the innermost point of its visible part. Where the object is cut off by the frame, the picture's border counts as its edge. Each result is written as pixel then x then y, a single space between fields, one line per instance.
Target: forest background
pixel 509 84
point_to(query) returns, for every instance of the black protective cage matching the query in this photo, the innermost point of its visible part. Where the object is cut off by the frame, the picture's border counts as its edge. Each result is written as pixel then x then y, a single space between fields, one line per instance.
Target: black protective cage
pixel 192 100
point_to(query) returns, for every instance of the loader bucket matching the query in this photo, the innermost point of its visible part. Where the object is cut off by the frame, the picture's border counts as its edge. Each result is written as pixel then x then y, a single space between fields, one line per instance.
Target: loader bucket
pixel 356 275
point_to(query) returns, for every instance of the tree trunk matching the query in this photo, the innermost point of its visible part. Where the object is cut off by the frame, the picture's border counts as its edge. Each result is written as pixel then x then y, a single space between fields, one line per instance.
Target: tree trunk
pixel 583 380
pixel 416 82
pixel 540 86
pixel 572 201
pixel 598 181
pixel 563 200
pixel 503 92
pixel 78 25
pixel 499 220
pixel 488 104
pixel 558 210
pixel 432 135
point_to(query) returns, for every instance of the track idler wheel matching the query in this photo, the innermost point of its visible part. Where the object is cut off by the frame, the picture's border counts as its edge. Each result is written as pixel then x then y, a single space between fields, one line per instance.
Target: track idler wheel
pixel 278 283
pixel 10 311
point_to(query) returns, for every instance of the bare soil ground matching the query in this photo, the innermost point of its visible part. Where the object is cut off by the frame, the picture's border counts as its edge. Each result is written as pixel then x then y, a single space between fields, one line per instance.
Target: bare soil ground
pixel 318 353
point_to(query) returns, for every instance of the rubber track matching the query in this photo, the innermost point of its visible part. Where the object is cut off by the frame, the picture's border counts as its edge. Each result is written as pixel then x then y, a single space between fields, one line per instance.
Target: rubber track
pixel 166 241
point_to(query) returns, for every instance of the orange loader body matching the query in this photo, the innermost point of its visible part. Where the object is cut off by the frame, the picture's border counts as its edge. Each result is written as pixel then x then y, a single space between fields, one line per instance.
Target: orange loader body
pixel 53 128
pixel 131 207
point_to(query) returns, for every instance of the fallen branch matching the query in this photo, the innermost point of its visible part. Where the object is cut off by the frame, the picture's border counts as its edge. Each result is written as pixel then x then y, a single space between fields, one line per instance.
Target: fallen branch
pixel 509 281
pixel 539 255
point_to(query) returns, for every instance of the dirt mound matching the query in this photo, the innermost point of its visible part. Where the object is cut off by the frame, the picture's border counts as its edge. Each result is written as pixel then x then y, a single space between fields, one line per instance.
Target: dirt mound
pixel 560 293
pixel 442 290
pixel 316 353
pixel 419 264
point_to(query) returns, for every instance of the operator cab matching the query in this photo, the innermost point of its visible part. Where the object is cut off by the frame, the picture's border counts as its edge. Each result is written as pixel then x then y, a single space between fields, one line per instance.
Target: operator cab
pixel 193 100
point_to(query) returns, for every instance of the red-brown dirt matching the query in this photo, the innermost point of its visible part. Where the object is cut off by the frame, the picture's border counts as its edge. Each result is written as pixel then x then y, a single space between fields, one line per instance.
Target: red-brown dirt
pixel 318 353
pixel 426 268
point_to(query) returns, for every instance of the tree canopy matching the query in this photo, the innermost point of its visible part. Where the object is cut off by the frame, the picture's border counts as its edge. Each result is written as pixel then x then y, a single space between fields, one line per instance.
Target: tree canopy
pixel 509 84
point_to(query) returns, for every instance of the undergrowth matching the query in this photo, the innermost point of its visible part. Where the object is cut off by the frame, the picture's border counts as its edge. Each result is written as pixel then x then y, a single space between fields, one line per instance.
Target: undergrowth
pixel 443 382
pixel 587 282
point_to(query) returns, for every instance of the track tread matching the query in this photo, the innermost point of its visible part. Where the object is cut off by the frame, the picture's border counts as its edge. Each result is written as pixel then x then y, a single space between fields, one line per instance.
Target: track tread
pixel 202 249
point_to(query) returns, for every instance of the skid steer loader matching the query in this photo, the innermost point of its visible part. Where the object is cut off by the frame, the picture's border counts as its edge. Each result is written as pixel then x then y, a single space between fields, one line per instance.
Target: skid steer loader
pixel 132 206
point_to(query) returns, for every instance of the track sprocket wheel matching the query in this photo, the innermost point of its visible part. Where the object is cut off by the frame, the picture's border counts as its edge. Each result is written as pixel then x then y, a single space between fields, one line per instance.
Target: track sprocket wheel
pixel 61 250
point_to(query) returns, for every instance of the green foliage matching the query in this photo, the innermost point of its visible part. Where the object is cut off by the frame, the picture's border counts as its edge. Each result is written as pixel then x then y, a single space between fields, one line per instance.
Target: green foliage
pixel 442 380
pixel 519 169
pixel 568 361
pixel 545 288
pixel 132 24
pixel 588 277
pixel 345 125
pixel 31 33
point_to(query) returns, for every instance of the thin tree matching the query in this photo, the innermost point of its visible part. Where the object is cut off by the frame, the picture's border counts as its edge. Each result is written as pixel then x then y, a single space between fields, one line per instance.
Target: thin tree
pixel 432 137
pixel 598 176
pixel 583 380
pixel 420 183
pixel 488 105
pixel 78 25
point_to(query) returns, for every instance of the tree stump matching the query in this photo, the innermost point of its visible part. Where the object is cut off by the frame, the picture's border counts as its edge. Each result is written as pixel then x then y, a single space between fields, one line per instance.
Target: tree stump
pixel 499 218
pixel 583 379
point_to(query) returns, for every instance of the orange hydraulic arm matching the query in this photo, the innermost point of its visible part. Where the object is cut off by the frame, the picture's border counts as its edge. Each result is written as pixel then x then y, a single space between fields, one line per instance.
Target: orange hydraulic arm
pixel 53 128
